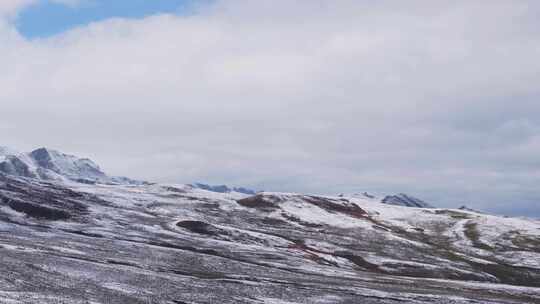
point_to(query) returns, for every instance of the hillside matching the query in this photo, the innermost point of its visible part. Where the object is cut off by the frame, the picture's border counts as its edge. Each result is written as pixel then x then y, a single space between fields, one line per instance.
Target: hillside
pixel 156 243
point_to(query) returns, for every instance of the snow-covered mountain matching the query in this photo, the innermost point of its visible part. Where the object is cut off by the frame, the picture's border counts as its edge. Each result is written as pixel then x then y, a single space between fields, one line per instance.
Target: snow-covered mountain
pixel 66 242
pixel 49 164
pixel 223 188
pixel 400 199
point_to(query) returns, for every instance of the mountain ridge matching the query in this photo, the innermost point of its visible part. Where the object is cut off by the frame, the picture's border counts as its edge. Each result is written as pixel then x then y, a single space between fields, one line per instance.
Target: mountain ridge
pixel 50 164
pixel 223 188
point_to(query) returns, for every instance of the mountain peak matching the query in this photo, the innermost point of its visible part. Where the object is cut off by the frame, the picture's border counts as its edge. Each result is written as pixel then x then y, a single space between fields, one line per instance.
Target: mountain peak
pixel 49 164
pixel 42 156
pixel 66 165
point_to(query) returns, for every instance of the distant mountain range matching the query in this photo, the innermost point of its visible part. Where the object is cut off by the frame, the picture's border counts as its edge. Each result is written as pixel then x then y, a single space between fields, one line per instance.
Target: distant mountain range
pixel 49 164
pixel 400 199
pixel 223 188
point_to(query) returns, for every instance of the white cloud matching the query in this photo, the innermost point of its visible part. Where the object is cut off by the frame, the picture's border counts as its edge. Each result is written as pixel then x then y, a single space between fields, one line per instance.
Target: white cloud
pixel 437 98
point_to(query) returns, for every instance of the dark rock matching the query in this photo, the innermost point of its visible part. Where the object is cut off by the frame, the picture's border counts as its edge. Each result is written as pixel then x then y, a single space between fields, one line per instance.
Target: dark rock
pixel 405 200
pixel 260 201
pixel 198 227
pixel 37 211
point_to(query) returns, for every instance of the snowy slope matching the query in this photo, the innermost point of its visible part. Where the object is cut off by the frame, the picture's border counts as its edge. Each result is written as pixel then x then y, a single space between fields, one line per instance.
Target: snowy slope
pixel 155 243
pixel 400 199
pixel 16 163
pixel 166 243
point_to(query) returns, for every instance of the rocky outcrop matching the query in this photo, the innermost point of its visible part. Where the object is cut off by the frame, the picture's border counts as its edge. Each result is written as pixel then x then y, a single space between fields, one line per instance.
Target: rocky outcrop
pixel 405 200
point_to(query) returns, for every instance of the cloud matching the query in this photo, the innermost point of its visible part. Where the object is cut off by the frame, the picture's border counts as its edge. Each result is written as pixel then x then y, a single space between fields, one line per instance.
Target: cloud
pixel 10 7
pixel 436 99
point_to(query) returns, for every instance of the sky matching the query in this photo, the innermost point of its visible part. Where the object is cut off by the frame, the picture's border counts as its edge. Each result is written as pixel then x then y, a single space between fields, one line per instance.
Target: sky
pixel 47 18
pixel 438 99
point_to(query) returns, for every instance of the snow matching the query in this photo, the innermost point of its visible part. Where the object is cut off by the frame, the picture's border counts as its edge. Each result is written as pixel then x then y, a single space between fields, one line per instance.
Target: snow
pixel 17 248
pixel 275 301
pixel 67 250
pixel 48 164
pixel 508 289
pixel 313 214
pixel 523 258
pixel 121 287
pixel 132 219
pixel 5 151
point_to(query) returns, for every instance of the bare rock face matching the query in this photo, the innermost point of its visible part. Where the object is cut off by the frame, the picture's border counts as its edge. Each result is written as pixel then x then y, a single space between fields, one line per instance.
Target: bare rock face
pixel 405 200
